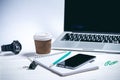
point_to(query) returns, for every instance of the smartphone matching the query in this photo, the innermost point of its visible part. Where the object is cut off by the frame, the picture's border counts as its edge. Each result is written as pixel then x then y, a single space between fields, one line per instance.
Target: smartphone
pixel 76 61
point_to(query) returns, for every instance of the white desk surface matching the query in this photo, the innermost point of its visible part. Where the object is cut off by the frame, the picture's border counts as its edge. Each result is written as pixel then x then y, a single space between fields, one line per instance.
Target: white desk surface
pixel 12 67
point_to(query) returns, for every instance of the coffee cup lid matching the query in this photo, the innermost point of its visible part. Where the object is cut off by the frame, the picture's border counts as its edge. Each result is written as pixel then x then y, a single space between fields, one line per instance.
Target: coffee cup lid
pixel 43 36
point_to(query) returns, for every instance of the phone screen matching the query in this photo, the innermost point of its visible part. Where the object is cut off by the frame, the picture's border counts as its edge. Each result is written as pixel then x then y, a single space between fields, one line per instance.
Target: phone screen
pixel 75 61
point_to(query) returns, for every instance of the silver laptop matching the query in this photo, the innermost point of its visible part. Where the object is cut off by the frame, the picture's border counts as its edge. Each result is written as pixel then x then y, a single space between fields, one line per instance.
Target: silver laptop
pixel 90 26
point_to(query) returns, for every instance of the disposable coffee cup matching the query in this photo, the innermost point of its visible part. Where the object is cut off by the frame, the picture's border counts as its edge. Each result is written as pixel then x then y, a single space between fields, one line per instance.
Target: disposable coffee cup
pixel 43 43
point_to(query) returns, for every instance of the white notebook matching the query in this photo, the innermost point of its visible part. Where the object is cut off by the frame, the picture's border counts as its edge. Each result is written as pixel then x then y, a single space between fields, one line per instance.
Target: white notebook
pixel 48 60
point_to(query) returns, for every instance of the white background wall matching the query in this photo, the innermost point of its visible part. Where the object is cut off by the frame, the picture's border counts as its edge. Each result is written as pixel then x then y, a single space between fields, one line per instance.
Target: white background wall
pixel 21 19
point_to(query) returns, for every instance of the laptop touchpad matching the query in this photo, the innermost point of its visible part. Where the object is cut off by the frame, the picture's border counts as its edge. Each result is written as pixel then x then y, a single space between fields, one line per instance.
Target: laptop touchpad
pixel 65 44
pixel 90 45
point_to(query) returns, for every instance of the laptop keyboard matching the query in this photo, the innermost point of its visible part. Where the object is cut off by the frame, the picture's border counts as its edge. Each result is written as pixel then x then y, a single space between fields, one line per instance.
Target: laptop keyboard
pixel 91 38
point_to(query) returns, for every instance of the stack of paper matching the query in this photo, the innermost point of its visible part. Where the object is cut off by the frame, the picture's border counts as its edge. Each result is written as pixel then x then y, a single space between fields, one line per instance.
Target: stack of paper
pixel 48 60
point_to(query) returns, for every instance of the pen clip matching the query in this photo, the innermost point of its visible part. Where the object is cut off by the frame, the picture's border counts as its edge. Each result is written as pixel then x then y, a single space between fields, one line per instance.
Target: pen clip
pixel 33 65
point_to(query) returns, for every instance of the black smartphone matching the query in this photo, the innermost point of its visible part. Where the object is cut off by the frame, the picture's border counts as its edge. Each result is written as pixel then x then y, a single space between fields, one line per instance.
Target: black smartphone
pixel 76 61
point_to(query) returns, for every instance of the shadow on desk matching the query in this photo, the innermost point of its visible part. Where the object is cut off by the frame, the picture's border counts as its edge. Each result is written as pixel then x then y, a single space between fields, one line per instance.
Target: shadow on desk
pixel 28 54
pixel 6 54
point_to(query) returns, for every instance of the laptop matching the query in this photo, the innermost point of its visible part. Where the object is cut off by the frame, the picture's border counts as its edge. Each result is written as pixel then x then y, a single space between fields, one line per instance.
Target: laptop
pixel 90 25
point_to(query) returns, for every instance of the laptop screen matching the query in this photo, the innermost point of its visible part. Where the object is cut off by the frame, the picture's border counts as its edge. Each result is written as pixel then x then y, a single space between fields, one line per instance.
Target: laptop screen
pixel 92 16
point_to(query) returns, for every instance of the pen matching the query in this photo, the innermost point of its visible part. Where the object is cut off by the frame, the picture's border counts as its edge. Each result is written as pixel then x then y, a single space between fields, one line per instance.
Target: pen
pixel 60 59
